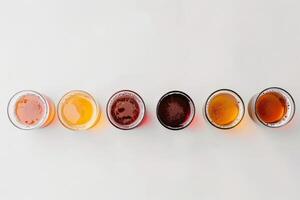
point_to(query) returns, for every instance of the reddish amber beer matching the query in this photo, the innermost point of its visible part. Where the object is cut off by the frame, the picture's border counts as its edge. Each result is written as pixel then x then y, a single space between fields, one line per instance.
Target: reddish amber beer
pixel 125 109
pixel 273 107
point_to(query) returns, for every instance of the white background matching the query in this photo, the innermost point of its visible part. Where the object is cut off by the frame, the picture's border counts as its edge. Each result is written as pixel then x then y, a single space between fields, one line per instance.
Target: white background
pixel 151 47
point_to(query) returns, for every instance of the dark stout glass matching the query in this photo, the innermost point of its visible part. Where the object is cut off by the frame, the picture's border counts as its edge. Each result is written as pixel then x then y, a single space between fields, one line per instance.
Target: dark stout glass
pixel 175 110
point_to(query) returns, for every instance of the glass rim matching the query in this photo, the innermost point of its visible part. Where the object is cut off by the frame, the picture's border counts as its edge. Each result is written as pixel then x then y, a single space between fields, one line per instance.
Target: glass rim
pixel 286 93
pixel 13 119
pixel 90 123
pixel 192 106
pixel 115 124
pixel 237 97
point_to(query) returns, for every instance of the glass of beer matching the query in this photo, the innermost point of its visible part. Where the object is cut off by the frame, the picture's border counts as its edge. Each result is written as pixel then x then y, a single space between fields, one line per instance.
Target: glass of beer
pixel 224 109
pixel 29 109
pixel 125 109
pixel 78 110
pixel 175 110
pixel 273 107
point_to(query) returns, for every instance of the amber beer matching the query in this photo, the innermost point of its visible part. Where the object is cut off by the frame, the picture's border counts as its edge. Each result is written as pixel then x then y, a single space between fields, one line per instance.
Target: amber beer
pixel 224 109
pixel 273 107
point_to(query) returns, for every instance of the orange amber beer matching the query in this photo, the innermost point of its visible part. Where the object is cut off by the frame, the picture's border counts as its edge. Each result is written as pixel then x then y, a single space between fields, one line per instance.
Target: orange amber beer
pixel 224 109
pixel 273 107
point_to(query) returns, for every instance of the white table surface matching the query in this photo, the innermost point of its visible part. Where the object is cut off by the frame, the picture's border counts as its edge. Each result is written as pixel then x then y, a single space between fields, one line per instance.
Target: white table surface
pixel 151 47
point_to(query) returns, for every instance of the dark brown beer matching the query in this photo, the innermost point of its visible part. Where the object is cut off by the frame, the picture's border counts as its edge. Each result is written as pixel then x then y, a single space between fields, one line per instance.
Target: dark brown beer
pixel 175 110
